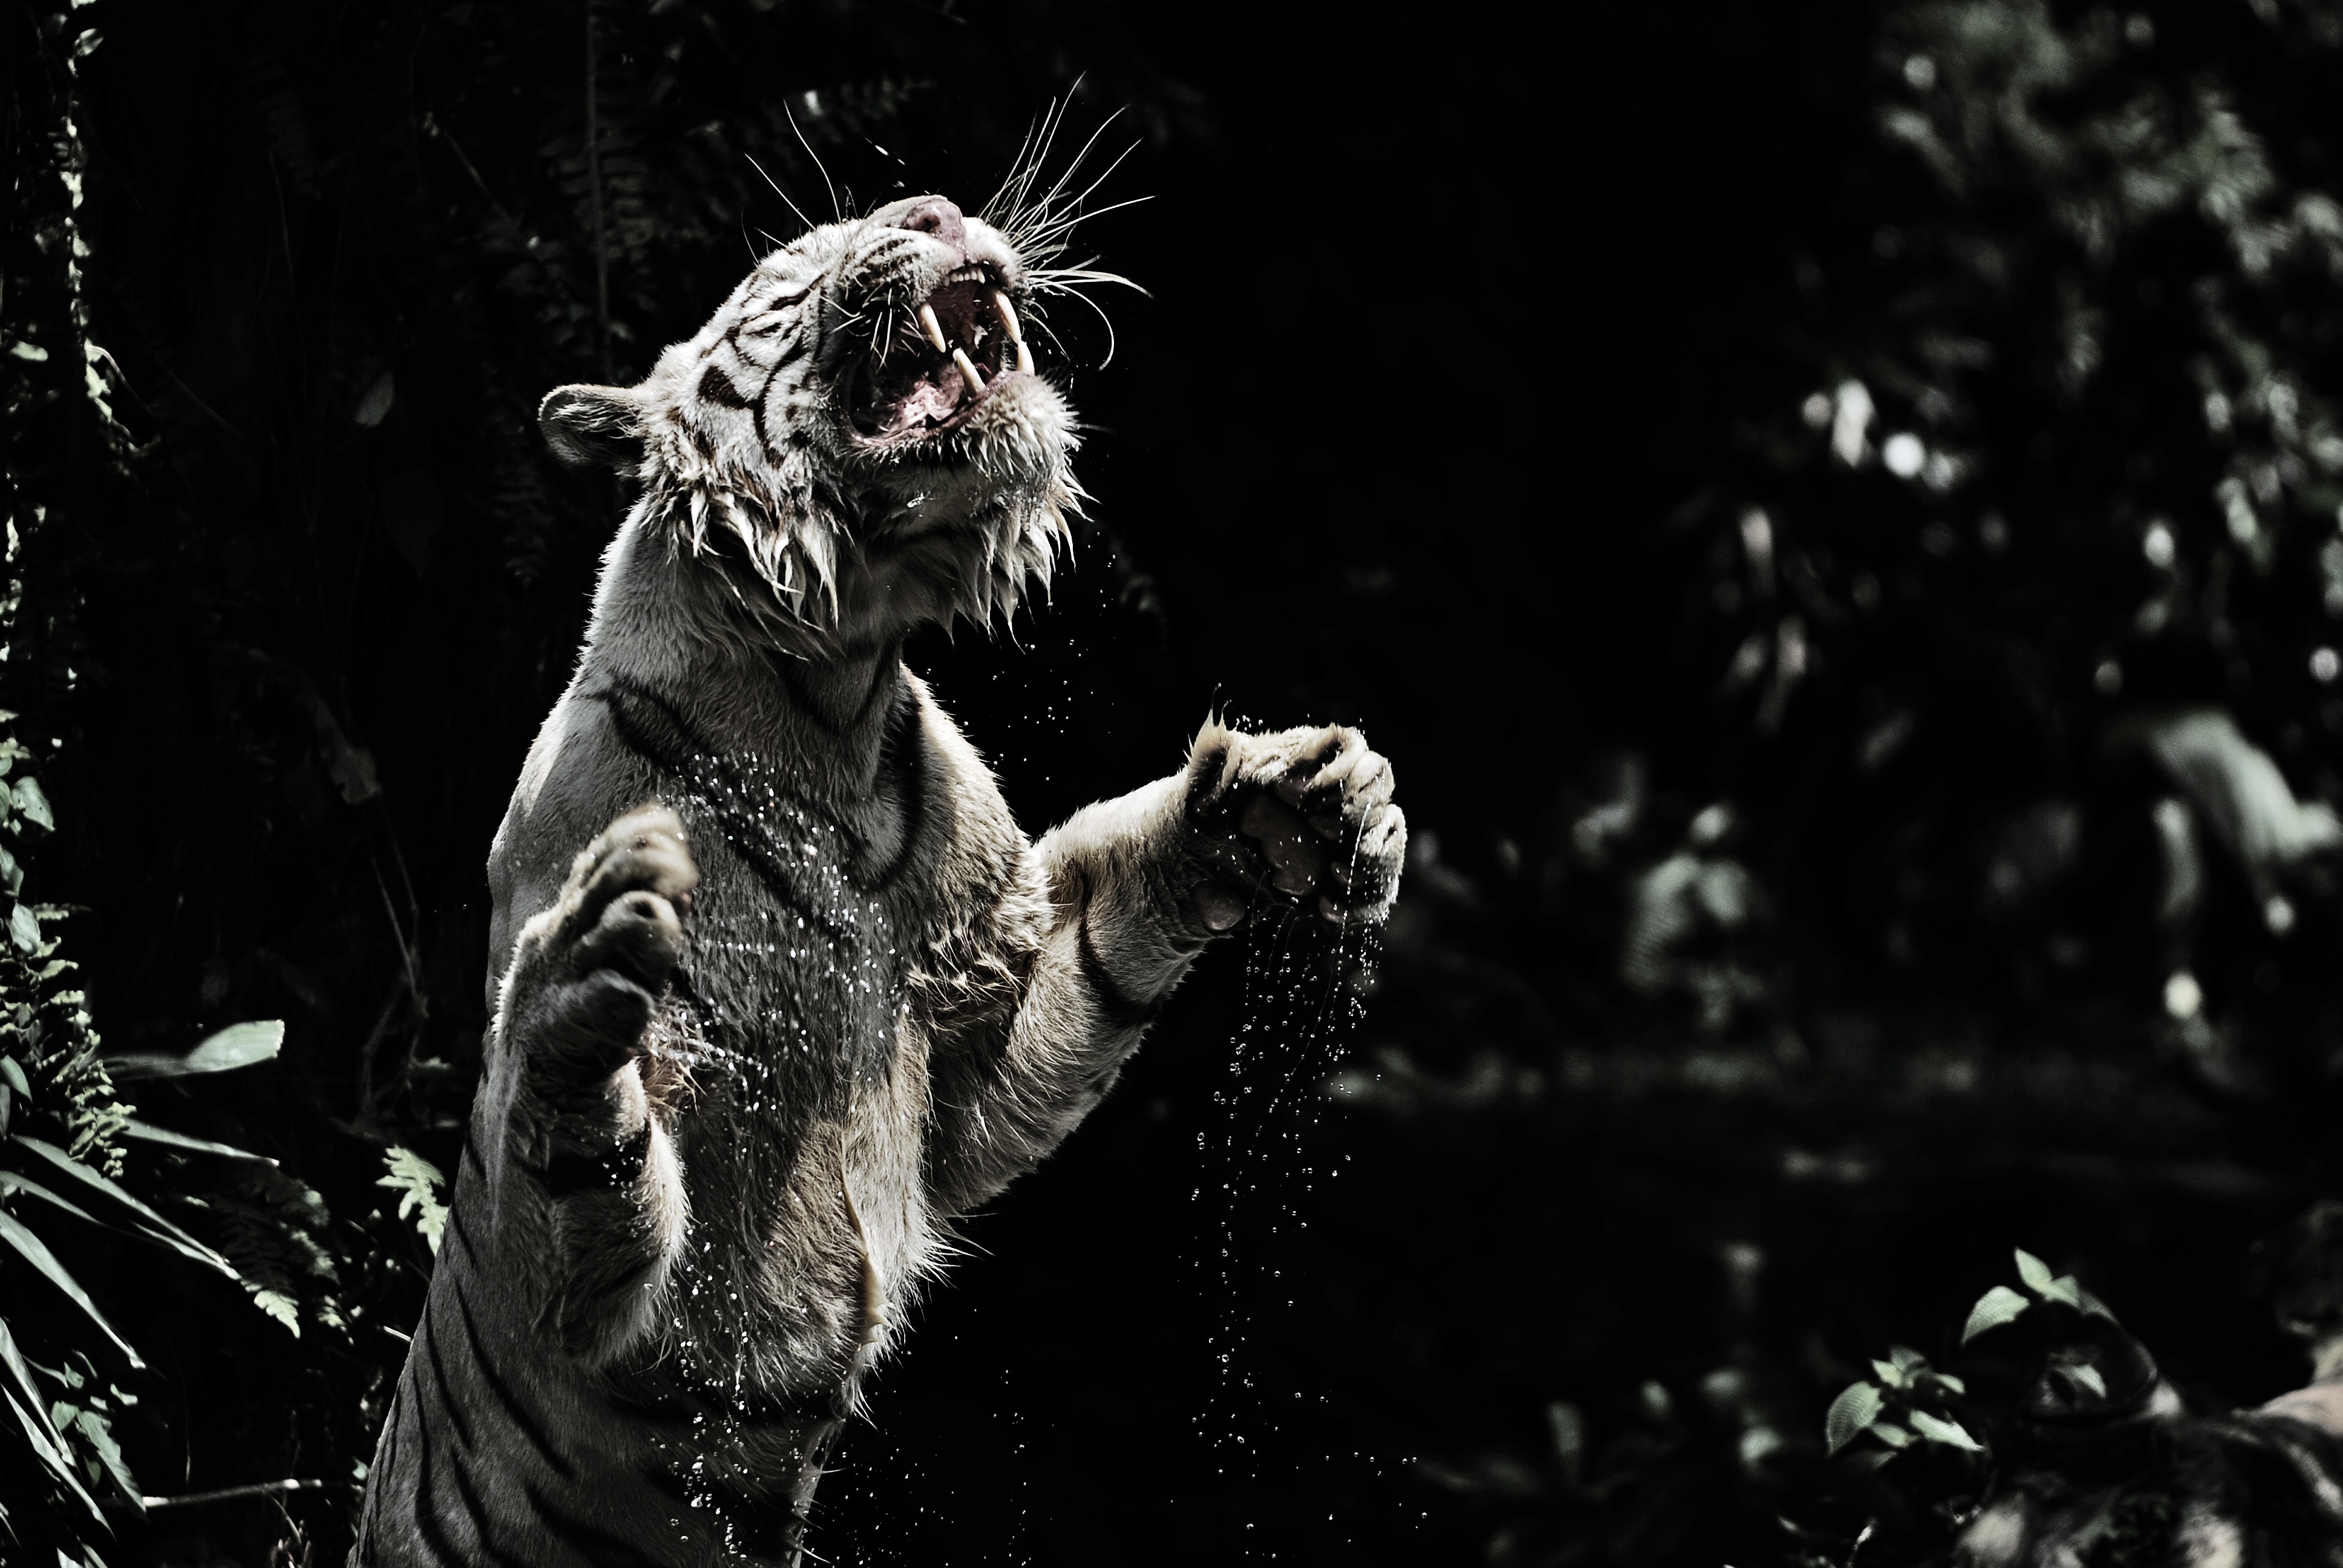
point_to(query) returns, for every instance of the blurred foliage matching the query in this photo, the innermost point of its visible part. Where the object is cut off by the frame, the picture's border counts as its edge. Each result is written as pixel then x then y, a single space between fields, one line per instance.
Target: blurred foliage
pixel 1973 859
pixel 1836 519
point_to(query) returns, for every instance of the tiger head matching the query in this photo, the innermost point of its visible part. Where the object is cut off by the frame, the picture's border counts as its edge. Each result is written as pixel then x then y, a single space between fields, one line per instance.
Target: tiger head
pixel 858 441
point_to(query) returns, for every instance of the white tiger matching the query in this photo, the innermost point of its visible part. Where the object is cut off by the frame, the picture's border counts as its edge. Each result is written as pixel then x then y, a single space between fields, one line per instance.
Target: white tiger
pixel 780 987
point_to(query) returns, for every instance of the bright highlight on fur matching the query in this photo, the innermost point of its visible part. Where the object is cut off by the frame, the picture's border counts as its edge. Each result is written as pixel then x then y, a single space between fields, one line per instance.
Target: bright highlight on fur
pixel 783 990
pixel 859 428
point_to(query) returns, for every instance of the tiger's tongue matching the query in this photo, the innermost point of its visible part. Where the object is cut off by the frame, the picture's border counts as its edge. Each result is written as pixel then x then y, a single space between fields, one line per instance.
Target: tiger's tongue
pixel 931 399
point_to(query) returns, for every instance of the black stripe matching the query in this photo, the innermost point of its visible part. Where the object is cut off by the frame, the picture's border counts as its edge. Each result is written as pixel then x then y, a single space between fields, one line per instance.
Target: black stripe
pixel 906 747
pixel 482 1548
pixel 887 677
pixel 715 386
pixel 594 1544
pixel 786 669
pixel 649 726
pixel 767 307
pixel 389 1456
pixel 427 1502
pixel 430 1346
pixel 385 1462
pixel 1120 1011
pixel 789 357
pixel 457 1228
pixel 519 1415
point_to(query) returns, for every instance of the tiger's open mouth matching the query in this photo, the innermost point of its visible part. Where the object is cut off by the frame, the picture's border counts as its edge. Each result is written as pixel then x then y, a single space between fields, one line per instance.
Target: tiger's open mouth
pixel 933 366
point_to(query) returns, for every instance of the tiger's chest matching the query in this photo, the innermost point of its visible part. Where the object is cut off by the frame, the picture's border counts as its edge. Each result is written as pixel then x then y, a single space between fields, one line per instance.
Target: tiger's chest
pixel 795 988
pixel 810 918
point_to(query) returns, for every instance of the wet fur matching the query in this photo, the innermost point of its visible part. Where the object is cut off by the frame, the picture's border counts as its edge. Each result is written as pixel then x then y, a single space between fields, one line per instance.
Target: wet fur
pixel 780 988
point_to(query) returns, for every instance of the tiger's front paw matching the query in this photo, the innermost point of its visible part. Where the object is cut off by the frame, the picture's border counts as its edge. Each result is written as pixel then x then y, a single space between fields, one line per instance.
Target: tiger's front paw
pixel 591 969
pixel 1304 813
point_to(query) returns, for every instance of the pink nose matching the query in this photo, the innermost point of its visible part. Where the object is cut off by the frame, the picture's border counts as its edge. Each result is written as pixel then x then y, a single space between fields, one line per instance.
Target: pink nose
pixel 937 216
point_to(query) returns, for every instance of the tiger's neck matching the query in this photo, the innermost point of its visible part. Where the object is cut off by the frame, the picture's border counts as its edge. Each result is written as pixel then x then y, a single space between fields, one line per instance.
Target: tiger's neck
pixel 814 707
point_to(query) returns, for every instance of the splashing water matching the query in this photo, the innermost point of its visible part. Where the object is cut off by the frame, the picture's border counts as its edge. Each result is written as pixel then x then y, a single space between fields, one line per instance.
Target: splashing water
pixel 1301 1005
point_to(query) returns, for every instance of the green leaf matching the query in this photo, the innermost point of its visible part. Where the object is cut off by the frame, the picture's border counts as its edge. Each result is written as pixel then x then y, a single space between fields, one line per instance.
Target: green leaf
pixel 417 1181
pixel 151 1222
pixel 14 1076
pixel 374 405
pixel 45 1446
pixel 30 1247
pixel 1856 1407
pixel 1936 1429
pixel 2035 1272
pixel 13 1360
pixel 147 1132
pixel 2064 1288
pixel 32 803
pixel 1947 1380
pixel 2092 1305
pixel 239 1045
pixel 1893 1435
pixel 1998 1306
pixel 11 1183
pixel 24 930
pixel 2084 1378
pixel 98 1433
pixel 1890 1374
pixel 279 1306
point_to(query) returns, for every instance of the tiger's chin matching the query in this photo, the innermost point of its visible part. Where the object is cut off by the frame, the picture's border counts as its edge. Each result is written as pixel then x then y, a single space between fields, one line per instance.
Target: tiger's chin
pixel 1018 430
pixel 961 458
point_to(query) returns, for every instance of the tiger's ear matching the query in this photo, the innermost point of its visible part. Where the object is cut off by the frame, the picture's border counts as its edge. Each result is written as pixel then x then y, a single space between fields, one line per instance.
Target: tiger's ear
pixel 593 427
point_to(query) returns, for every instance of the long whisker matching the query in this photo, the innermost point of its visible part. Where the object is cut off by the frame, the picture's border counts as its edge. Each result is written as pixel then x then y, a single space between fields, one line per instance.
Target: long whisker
pixel 1026 208
pixel 1036 315
pixel 1057 192
pixel 1086 299
pixel 779 192
pixel 1057 229
pixel 1020 177
pixel 1067 279
pixel 1053 120
pixel 1075 205
pixel 837 212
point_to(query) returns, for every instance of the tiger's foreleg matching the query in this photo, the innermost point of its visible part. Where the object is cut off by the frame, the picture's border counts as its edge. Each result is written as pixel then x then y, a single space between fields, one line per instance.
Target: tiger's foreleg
pixel 588 1159
pixel 1300 822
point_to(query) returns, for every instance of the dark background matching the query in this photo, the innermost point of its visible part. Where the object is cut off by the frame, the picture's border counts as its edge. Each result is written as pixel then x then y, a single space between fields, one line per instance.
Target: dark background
pixel 1788 934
